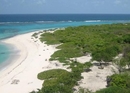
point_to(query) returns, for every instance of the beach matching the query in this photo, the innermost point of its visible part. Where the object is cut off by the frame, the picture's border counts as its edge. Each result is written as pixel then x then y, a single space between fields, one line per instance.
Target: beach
pixel 20 76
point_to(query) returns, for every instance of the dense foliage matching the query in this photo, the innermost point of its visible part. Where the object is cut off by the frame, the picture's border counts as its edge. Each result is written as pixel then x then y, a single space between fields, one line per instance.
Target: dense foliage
pixel 55 73
pixel 119 80
pixel 54 81
pixel 62 81
pixel 103 41
pixel 117 83
pixel 114 89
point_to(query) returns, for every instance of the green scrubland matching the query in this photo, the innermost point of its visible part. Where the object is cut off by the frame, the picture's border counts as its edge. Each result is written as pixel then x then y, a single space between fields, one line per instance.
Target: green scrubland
pixel 102 42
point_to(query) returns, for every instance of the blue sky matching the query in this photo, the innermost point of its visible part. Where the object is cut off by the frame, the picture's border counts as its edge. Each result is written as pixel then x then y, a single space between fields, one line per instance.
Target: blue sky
pixel 64 6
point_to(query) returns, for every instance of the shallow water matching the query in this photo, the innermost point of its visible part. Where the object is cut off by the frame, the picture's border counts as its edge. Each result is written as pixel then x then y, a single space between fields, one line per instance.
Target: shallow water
pixel 11 25
pixel 4 52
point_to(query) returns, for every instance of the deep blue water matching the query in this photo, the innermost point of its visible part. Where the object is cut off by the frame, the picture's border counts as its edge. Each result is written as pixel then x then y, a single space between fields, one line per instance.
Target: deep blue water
pixel 11 25
pixel 61 17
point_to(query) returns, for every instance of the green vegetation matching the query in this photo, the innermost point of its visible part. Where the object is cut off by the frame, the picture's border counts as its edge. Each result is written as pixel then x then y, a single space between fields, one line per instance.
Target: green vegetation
pixel 35 35
pixel 82 90
pixel 117 83
pixel 55 73
pixel 103 42
pixel 62 81
pixel 119 80
pixel 114 89
pixel 54 81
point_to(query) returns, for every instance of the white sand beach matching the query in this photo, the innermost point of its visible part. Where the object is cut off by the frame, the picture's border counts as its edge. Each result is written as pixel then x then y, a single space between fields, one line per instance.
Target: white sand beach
pixel 21 75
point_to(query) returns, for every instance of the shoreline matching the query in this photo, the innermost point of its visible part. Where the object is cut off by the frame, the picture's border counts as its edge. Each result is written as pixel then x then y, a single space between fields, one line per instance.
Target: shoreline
pixel 13 47
pixel 30 56
pixel 33 58
pixel 13 53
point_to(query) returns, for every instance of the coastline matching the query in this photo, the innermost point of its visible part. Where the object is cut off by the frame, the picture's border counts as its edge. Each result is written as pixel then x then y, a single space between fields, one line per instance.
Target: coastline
pixel 10 52
pixel 33 57
pixel 23 70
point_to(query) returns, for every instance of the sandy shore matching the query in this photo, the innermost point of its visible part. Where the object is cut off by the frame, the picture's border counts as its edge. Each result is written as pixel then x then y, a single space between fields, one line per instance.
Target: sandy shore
pixel 33 57
pixel 21 75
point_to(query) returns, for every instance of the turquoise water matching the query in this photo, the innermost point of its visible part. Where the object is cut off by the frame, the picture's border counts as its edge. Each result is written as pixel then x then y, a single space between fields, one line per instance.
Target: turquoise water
pixel 11 25
pixel 12 29
pixel 4 52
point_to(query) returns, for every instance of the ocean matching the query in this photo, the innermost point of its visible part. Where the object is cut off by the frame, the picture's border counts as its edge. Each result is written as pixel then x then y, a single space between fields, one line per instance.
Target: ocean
pixel 15 24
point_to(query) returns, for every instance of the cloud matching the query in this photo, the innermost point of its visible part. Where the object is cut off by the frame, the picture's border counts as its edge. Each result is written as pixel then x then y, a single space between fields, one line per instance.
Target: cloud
pixel 122 3
pixel 33 2
pixel 23 1
pixel 117 2
pixel 40 2
pixel 6 3
pixel 5 0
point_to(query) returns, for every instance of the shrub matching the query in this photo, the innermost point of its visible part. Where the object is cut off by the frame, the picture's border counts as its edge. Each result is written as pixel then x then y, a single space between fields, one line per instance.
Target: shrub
pixel 53 73
pixel 119 80
pixel 114 89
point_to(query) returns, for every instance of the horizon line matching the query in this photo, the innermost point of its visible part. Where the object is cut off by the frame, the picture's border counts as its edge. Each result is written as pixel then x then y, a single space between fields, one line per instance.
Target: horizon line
pixel 69 13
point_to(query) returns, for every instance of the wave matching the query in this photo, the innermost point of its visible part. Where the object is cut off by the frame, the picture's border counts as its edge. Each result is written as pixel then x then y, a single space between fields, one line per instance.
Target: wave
pixel 93 20
pixel 69 21
pixel 27 22
pixel 44 21
pixel 36 22
pixel 14 22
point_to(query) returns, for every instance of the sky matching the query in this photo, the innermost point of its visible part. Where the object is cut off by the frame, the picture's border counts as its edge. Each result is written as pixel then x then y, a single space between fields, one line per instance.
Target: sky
pixel 64 6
